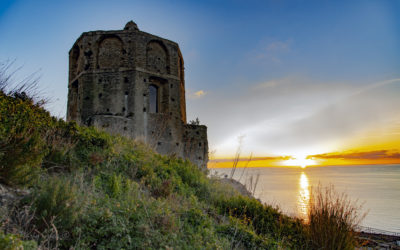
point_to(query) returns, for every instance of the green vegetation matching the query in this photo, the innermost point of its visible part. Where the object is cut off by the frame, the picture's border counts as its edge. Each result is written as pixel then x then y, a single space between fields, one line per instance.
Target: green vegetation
pixel 88 189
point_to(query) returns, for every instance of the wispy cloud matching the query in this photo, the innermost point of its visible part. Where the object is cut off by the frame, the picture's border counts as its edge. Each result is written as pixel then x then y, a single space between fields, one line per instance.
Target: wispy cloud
pixel 196 95
pixel 271 51
pixel 298 115
pixel 370 155
pixel 267 158
pixel 274 83
pixel 279 46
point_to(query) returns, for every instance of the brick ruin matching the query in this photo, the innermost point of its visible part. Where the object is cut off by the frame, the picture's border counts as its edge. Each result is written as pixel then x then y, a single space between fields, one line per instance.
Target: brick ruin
pixel 132 83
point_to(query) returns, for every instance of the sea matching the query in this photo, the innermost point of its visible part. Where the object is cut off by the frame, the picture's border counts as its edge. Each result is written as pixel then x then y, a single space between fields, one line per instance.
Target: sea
pixel 375 187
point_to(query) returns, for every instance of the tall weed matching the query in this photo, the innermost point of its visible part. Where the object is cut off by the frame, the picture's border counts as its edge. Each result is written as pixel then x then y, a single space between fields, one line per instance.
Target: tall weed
pixel 332 219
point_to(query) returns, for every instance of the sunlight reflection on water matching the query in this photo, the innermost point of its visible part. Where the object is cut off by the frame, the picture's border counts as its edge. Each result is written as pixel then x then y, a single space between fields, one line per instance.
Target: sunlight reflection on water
pixel 290 189
pixel 304 196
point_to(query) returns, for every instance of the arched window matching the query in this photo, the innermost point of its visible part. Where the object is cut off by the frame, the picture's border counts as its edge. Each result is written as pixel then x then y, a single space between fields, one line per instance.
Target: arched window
pixel 157 58
pixel 153 97
pixel 110 53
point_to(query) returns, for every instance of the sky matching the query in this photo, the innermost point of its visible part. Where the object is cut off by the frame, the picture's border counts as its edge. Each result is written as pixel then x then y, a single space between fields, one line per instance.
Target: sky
pixel 312 80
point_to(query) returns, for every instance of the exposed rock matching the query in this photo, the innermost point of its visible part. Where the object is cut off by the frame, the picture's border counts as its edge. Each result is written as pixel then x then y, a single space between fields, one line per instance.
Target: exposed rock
pixel 237 186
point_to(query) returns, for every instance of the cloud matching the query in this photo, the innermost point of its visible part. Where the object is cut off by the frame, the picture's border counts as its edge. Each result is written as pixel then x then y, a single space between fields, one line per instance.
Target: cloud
pixel 369 155
pixel 270 51
pixel 267 158
pixel 196 95
pixel 346 117
pixel 295 114
pixel 276 82
pixel 279 46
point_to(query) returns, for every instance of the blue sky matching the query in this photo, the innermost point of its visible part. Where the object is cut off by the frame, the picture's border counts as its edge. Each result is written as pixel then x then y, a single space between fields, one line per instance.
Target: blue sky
pixel 262 66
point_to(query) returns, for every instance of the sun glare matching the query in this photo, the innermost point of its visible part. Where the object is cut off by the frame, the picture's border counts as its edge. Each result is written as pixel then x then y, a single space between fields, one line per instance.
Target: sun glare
pixel 300 161
pixel 304 195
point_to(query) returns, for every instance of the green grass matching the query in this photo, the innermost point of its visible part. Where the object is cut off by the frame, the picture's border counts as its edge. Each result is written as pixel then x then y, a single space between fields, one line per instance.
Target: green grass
pixel 89 189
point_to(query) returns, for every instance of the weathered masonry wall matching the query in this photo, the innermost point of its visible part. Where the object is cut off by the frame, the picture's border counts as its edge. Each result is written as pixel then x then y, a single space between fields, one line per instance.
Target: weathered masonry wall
pixel 196 144
pixel 132 83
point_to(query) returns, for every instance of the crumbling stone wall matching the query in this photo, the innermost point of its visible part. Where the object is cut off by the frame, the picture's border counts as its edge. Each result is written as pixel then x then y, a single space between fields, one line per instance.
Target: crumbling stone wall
pixel 132 83
pixel 196 144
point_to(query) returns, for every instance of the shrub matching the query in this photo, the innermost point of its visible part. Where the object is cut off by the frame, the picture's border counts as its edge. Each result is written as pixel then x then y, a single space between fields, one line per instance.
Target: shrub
pixel 332 219
pixel 263 219
pixel 242 236
pixel 22 147
pixel 56 201
pixel 13 242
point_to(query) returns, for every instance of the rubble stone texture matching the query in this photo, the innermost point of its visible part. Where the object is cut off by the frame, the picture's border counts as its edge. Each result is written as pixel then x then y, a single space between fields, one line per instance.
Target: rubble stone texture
pixel 132 83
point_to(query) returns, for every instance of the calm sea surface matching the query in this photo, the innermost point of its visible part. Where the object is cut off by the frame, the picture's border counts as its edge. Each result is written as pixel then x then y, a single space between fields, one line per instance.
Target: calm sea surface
pixel 377 186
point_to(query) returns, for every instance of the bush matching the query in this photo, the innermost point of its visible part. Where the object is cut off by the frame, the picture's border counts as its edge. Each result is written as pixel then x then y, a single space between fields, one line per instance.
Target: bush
pixel 263 218
pixel 242 236
pixel 56 201
pixel 332 219
pixel 13 242
pixel 22 144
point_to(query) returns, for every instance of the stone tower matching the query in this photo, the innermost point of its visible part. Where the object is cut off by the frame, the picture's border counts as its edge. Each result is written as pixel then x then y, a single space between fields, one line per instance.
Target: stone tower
pixel 132 83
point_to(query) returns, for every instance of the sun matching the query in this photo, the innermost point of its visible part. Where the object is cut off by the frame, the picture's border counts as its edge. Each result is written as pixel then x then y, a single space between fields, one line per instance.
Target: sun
pixel 300 161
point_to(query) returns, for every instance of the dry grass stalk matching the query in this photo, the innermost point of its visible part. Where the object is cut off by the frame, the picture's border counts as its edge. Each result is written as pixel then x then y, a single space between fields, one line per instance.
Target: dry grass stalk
pixel 332 219
pixel 26 88
pixel 236 159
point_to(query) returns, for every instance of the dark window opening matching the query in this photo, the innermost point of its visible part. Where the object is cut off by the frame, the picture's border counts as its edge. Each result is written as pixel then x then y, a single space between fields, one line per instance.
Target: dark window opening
pixel 125 128
pixel 126 79
pixel 199 144
pixel 153 98
pixel 75 84
pixel 159 143
pixel 88 53
pixel 123 109
pixel 100 95
pixel 126 92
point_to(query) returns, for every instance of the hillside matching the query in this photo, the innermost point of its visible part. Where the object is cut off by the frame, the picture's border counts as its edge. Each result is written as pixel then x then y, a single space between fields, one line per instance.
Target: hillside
pixel 66 186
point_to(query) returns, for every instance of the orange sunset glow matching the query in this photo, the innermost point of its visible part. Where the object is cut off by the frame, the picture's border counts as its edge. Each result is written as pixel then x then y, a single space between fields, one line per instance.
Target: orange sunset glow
pixel 377 148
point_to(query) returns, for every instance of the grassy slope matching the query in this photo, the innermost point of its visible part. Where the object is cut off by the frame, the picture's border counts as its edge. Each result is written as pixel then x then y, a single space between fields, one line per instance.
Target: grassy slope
pixel 90 189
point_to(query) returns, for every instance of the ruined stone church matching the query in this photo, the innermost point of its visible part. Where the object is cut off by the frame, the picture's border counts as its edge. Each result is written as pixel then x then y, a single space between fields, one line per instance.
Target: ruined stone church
pixel 132 83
